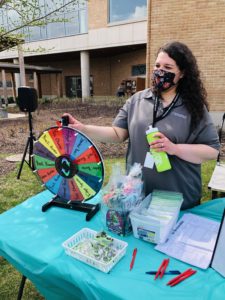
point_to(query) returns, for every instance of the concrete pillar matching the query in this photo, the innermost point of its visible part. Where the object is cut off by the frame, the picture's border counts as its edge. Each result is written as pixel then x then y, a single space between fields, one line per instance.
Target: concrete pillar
pixel 35 81
pixel 22 67
pixel 39 85
pixel 16 76
pixel 4 86
pixel 59 85
pixel 13 86
pixel 85 74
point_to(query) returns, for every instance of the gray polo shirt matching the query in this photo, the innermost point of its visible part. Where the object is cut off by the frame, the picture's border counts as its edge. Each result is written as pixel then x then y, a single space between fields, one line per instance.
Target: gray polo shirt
pixel 136 115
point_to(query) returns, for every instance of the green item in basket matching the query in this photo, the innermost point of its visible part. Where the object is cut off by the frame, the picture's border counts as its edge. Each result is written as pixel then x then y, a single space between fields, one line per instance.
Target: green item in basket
pixel 100 248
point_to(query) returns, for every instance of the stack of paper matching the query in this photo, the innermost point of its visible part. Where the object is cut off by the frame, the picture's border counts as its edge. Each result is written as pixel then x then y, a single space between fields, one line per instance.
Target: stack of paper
pixel 165 204
pixel 165 207
pixel 153 220
pixel 192 240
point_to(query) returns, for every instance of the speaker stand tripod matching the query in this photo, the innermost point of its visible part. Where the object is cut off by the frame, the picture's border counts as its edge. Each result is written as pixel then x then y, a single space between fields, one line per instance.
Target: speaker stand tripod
pixel 29 146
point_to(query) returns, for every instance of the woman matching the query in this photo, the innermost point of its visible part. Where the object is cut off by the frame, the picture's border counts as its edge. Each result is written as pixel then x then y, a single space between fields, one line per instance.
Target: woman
pixel 176 104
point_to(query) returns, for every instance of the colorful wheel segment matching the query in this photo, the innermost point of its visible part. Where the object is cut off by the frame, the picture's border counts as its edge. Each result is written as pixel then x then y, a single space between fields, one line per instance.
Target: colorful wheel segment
pixel 68 164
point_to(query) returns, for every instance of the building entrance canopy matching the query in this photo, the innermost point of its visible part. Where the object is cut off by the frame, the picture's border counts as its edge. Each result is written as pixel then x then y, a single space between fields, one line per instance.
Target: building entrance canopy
pixel 12 68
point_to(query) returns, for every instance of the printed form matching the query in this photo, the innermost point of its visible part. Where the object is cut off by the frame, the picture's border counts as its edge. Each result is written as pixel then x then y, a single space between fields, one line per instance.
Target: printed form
pixel 192 240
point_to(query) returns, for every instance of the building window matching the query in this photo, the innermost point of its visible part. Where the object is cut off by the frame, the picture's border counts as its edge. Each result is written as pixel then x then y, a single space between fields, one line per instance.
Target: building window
pixel 8 84
pixel 127 10
pixel 75 16
pixel 31 77
pixel 138 70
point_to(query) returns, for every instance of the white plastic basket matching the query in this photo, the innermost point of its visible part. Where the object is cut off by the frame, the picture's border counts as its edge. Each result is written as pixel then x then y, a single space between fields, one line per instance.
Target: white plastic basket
pixel 86 233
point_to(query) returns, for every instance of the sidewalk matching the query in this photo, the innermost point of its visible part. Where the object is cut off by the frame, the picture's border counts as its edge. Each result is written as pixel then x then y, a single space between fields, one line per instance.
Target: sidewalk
pixel 15 116
pixel 12 118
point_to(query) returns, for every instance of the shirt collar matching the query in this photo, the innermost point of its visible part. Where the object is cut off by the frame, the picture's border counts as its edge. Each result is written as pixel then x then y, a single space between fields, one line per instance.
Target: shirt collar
pixel 149 95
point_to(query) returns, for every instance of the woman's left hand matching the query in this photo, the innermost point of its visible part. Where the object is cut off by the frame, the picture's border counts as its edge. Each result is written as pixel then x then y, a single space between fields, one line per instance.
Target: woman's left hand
pixel 163 144
pixel 193 153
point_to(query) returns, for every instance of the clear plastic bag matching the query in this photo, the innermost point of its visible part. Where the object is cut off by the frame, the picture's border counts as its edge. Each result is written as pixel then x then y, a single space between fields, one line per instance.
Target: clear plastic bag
pixel 120 196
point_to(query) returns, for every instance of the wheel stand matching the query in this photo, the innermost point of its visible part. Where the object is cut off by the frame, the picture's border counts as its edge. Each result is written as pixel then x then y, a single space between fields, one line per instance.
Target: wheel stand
pixel 90 209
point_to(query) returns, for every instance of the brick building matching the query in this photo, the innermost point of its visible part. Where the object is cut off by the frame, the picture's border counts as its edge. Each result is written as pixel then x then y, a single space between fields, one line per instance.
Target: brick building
pixel 201 25
pixel 106 42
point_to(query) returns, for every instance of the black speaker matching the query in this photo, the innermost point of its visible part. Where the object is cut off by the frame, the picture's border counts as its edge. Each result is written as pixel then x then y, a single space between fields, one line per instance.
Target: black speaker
pixel 27 99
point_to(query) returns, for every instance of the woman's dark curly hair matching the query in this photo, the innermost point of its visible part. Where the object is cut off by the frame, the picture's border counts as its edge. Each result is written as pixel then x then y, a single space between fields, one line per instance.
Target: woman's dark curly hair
pixel 190 86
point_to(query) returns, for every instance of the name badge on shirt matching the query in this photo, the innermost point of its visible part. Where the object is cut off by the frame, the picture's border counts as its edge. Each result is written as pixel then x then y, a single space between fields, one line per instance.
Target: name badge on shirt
pixel 149 161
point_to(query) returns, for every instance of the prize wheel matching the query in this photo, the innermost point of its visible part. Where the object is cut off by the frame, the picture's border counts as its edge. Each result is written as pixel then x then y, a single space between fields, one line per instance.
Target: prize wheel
pixel 68 164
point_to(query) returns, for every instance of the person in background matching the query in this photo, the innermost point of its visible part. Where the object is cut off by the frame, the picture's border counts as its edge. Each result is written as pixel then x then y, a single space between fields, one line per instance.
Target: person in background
pixel 176 104
pixel 121 90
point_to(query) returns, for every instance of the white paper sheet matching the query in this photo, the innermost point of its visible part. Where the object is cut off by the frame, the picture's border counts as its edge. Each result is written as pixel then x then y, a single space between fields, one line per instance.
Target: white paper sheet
pixel 192 240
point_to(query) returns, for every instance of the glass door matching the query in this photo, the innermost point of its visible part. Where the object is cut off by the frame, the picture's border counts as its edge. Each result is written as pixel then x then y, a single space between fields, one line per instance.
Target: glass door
pixel 73 87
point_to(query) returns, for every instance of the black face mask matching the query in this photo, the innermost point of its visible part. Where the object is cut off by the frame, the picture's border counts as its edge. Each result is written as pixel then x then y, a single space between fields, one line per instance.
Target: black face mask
pixel 163 80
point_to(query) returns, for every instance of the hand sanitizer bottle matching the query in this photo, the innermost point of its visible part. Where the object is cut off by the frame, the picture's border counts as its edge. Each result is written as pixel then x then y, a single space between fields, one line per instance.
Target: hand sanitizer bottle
pixel 161 159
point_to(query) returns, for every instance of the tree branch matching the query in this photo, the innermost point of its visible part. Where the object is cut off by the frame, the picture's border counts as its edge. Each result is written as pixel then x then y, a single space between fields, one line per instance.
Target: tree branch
pixel 3 2
pixel 37 19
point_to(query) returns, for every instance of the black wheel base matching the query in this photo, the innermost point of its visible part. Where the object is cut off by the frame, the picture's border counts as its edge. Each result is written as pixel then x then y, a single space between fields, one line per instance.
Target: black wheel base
pixel 90 209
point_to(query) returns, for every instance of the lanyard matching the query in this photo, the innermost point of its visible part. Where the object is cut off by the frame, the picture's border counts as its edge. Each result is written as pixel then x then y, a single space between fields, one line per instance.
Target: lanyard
pixel 165 112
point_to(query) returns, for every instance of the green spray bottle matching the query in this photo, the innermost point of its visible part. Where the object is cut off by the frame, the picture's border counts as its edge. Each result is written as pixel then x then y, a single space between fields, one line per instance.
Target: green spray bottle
pixel 161 159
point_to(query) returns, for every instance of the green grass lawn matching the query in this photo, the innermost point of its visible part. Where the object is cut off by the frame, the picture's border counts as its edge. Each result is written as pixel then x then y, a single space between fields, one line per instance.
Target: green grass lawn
pixel 15 191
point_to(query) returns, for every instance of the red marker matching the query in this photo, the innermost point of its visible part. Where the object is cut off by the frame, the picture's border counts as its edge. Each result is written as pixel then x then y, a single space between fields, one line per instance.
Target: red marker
pixel 133 259
pixel 181 277
pixel 162 268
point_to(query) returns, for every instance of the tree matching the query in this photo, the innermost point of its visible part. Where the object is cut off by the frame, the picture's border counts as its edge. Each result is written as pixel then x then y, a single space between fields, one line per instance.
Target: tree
pixel 23 13
pixel 20 14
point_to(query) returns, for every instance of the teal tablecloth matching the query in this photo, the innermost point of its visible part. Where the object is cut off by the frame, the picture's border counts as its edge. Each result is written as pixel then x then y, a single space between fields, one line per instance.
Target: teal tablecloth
pixel 31 241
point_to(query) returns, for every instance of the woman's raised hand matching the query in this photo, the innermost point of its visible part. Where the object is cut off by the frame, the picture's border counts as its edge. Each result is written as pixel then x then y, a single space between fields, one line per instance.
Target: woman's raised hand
pixel 74 123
